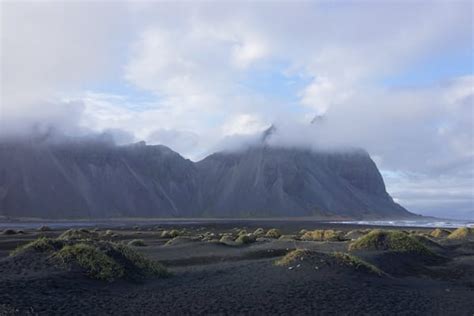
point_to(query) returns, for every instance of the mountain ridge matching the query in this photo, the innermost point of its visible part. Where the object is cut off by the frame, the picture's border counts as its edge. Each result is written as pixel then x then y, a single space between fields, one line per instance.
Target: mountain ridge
pixel 101 180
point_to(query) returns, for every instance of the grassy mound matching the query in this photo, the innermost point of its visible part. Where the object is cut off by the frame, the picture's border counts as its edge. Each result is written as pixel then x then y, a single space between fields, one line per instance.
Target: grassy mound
pixel 78 234
pixel 41 244
pixel 101 260
pixel 292 257
pixel 354 234
pixel 426 241
pixel 246 239
pixel 136 243
pixel 44 228
pixel 462 233
pixel 170 233
pixel 259 232
pixel 357 263
pixel 389 240
pixel 273 233
pixel 96 264
pixel 440 233
pixel 180 240
pixel 322 235
pixel 299 257
pixel 225 239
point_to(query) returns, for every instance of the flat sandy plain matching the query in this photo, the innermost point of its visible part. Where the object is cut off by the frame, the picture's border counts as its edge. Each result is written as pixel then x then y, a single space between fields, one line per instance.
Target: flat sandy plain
pixel 211 277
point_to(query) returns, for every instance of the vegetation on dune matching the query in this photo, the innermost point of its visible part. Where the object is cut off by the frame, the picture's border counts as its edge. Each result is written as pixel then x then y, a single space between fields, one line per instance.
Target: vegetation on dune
pixel 259 232
pixel 426 241
pixel 79 234
pixel 303 231
pixel 354 234
pixel 462 233
pixel 356 262
pixel 226 239
pixel 146 267
pixel 44 228
pixel 299 256
pixel 137 243
pixel 292 256
pixel 440 233
pixel 242 232
pixel 322 235
pixel 41 244
pixel 102 260
pixel 182 239
pixel 389 240
pixel 273 233
pixel 170 233
pixel 246 239
pixel 96 264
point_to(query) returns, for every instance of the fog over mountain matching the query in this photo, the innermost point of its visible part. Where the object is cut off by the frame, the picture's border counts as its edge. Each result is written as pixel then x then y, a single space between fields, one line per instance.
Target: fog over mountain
pixel 396 79
pixel 94 178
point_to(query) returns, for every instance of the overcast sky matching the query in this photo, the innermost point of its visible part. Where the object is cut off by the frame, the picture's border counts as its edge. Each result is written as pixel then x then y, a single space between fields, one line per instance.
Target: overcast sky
pixel 393 77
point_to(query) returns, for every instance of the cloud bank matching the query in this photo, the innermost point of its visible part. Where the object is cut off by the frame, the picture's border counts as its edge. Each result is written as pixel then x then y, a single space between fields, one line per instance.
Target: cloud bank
pixel 394 78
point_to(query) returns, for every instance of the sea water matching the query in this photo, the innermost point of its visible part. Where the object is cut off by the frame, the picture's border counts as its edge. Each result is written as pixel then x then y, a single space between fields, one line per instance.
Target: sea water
pixel 405 223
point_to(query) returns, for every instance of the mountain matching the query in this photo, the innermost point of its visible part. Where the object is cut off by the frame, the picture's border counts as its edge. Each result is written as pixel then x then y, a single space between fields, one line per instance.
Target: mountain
pixel 98 180
pixel 94 180
pixel 266 181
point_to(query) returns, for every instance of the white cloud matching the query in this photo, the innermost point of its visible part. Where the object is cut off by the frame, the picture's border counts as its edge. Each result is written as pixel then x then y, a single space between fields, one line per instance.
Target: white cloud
pixel 197 60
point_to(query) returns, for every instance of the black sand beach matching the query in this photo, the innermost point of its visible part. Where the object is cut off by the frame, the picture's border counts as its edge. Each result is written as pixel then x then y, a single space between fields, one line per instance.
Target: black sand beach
pixel 213 277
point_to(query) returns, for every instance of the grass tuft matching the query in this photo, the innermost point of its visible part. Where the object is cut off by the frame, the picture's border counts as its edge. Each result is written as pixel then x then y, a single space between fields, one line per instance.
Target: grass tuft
pixel 41 244
pixel 273 233
pixel 259 232
pixel 137 243
pixel 170 233
pixel 292 256
pixel 102 260
pixel 78 234
pixel 440 233
pixel 389 240
pixel 462 233
pixel 96 264
pixel 322 235
pixel 246 239
pixel 356 262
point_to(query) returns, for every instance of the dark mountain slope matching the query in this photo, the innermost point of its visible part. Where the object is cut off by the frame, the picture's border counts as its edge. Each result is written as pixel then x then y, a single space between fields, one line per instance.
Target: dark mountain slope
pixel 265 181
pixel 94 180
pixel 99 179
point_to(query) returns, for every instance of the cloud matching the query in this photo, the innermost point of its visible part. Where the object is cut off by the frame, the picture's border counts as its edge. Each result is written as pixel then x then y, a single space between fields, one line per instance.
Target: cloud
pixel 217 73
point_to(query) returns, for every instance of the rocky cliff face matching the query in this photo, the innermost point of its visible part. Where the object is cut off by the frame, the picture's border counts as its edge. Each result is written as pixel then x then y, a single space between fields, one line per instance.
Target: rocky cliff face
pixel 265 181
pixel 94 179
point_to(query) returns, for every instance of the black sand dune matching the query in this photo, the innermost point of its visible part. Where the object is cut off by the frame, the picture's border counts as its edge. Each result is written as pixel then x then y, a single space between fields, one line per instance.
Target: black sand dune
pixel 211 277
